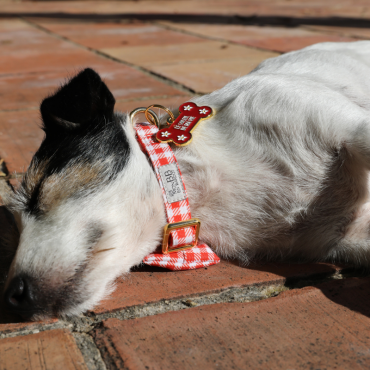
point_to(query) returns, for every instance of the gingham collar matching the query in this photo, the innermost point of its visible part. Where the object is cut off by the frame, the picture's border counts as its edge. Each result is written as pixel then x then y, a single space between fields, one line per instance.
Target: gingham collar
pixel 180 249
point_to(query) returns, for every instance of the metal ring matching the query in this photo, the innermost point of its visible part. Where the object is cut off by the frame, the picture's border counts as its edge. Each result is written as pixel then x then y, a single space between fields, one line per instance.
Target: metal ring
pixel 172 117
pixel 153 118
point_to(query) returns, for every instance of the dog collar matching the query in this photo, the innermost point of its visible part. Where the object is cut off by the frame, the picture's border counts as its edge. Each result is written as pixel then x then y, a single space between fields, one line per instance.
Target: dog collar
pixel 180 249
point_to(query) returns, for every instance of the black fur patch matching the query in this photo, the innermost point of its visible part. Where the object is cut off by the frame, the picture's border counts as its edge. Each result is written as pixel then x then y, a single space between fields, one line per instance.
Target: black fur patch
pixel 81 130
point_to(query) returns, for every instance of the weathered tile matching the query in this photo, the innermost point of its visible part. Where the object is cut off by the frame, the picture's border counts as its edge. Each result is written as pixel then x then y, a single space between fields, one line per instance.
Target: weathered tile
pixel 363 33
pixel 111 35
pixel 148 285
pixel 169 102
pixel 55 349
pixel 26 90
pixel 20 137
pixel 313 328
pixel 167 55
pixel 204 77
pixel 280 39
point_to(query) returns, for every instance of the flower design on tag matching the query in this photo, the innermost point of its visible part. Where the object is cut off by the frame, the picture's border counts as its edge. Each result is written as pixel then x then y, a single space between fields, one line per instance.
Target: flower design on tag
pixel 180 130
pixel 166 134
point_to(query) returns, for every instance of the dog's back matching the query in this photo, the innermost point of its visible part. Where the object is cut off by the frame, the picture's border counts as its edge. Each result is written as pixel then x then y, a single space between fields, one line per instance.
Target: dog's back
pixel 278 169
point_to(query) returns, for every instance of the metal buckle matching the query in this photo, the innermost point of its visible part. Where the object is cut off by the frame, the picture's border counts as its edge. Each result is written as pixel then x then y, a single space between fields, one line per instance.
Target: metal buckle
pixel 180 225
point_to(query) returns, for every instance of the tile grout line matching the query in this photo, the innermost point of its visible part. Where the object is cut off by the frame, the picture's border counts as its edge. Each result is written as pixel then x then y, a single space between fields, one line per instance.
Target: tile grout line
pixel 81 327
pixel 212 38
pixel 144 70
pixel 240 294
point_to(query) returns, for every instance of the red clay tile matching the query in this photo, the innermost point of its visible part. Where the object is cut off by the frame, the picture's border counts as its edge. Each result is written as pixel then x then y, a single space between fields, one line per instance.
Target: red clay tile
pixel 154 284
pixel 205 77
pixel 280 39
pixel 169 102
pixel 295 8
pixel 286 44
pixel 313 328
pixel 55 349
pixel 20 137
pixel 15 325
pixel 110 35
pixel 363 33
pixel 20 91
pixel 150 56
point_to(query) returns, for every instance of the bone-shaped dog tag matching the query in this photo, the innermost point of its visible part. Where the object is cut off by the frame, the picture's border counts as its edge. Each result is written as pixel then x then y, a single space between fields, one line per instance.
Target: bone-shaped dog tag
pixel 180 130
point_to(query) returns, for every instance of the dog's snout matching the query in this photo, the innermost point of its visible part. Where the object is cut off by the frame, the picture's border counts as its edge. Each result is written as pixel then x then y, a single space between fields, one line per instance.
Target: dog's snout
pixel 19 298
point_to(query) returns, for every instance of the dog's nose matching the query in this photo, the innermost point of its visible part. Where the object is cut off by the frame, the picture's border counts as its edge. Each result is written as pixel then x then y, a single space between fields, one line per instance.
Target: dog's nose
pixel 19 298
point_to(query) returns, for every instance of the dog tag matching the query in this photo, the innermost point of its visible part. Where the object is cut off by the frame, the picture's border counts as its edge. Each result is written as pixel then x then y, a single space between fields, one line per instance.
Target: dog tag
pixel 180 130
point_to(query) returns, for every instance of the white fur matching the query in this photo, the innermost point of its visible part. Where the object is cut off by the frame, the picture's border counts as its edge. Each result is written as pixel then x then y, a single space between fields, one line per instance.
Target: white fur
pixel 280 171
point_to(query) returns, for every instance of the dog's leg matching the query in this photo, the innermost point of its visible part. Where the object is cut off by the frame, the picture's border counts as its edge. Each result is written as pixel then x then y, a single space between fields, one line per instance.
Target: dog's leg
pixel 354 247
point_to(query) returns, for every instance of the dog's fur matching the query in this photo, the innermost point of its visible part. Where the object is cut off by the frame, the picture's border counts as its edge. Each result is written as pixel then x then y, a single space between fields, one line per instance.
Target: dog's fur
pixel 280 171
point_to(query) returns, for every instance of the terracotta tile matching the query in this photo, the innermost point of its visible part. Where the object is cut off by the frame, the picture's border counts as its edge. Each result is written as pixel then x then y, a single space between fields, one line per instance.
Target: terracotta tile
pixel 26 90
pixel 363 33
pixel 154 284
pixel 20 137
pixel 16 34
pixel 199 7
pixel 169 102
pixel 25 49
pixel 16 326
pixel 55 349
pixel 286 44
pixel 313 328
pixel 58 56
pixel 204 77
pixel 111 35
pixel 151 56
pixel 280 39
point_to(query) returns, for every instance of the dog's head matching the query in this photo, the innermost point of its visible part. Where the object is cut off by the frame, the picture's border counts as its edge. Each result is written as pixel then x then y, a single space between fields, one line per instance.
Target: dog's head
pixel 88 209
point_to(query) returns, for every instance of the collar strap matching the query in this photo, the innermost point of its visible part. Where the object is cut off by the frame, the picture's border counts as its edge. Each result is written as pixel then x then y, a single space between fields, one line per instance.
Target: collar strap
pixel 182 231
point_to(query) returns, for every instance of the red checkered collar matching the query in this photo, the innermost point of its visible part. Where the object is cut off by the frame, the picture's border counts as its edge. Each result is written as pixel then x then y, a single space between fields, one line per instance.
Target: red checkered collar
pixel 181 233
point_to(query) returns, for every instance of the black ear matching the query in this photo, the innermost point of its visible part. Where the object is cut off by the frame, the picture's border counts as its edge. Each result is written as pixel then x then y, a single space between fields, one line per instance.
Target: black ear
pixel 84 99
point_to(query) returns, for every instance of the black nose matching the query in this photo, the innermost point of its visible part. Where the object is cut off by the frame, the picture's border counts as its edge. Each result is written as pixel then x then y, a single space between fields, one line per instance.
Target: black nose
pixel 19 298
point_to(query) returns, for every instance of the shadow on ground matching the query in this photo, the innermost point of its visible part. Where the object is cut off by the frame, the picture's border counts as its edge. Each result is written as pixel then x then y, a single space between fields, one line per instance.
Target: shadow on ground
pixel 9 238
pixel 255 20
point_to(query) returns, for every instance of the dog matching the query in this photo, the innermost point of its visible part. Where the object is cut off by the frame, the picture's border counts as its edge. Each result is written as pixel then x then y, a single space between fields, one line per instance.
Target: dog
pixel 280 172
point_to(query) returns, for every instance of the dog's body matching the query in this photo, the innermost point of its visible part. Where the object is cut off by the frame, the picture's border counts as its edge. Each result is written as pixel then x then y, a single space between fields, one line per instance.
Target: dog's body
pixel 280 171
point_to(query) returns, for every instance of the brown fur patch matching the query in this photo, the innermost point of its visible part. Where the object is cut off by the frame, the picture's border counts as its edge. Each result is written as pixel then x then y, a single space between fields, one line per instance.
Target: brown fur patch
pixel 54 189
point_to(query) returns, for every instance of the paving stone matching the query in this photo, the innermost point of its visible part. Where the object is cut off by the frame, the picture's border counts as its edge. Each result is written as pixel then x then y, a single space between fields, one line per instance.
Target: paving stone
pixel 26 90
pixel 280 39
pixel 353 32
pixel 27 49
pixel 169 102
pixel 150 56
pixel 20 137
pixel 12 325
pixel 292 8
pixel 149 284
pixel 55 349
pixel 111 35
pixel 204 77
pixel 313 328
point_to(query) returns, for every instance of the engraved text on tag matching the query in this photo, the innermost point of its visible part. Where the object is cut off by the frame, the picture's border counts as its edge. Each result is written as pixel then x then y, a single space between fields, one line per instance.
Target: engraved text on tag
pixel 172 183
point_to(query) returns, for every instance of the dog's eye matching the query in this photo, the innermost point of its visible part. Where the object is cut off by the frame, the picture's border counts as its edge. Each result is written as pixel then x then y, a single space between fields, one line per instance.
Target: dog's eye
pixel 95 231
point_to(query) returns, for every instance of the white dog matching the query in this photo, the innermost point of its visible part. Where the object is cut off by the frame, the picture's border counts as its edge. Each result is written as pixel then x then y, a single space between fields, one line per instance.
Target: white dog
pixel 280 171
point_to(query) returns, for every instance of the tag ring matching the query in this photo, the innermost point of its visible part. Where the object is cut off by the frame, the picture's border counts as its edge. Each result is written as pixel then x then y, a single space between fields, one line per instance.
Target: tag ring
pixel 171 119
pixel 153 118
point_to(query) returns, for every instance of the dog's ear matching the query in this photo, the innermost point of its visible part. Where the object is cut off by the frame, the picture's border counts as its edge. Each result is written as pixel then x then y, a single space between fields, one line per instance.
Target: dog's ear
pixel 85 99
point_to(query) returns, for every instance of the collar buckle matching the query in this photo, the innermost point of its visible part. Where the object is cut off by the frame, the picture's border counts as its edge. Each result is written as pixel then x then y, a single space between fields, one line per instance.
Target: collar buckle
pixel 193 222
